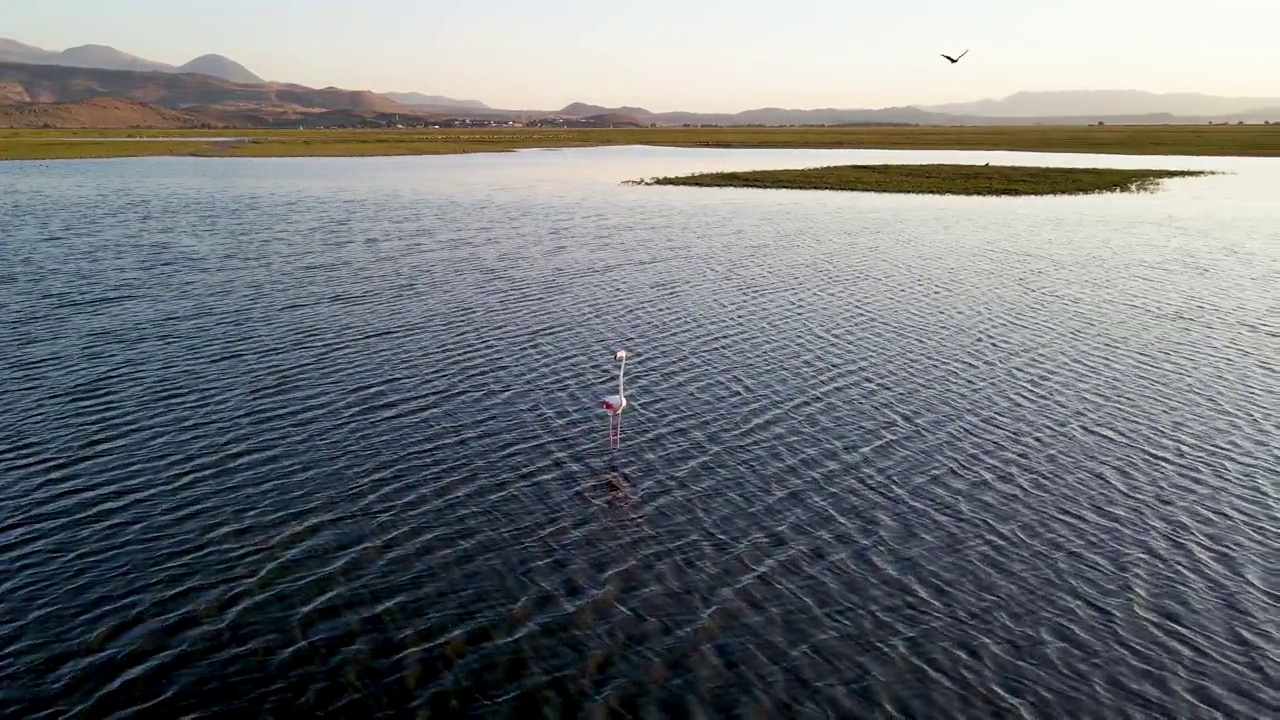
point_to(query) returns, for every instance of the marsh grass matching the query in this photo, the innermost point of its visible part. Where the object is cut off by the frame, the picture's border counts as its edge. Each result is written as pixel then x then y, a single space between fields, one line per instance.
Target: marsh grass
pixel 936 179
pixel 1237 140
pixel 63 149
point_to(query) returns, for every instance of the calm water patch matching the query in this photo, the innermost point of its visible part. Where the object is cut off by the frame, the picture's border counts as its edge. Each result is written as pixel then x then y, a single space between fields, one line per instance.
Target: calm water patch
pixel 295 436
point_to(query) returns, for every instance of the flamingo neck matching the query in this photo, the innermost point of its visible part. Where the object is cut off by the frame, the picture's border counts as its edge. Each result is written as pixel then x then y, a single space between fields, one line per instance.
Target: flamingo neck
pixel 621 370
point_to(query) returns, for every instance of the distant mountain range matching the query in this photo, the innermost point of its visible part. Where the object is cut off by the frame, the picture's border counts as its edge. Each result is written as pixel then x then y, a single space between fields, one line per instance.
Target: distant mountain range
pixel 1110 102
pixel 21 83
pixel 418 99
pixel 104 57
pixel 212 89
pixel 1047 108
pixel 109 58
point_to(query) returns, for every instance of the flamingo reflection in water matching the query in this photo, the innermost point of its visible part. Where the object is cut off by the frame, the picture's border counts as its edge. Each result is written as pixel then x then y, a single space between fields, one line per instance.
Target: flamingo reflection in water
pixel 610 485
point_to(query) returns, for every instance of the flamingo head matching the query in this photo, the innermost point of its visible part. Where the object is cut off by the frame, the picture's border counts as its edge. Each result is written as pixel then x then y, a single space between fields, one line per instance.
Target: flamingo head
pixel 621 355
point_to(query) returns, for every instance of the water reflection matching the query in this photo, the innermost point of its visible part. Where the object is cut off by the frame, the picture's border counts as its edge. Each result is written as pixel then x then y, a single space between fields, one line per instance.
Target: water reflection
pixel 611 485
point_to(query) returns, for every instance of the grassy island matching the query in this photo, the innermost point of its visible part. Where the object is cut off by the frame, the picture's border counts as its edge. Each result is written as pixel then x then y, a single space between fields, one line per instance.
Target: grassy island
pixel 937 179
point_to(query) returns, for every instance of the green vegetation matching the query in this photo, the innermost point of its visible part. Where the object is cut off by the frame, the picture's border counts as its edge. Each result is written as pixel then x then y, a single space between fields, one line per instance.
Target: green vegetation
pixel 31 148
pixel 937 179
pixel 70 144
pixel 1238 140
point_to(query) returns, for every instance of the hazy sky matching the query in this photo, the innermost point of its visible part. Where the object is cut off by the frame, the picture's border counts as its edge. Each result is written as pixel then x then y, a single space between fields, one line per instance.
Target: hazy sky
pixel 701 55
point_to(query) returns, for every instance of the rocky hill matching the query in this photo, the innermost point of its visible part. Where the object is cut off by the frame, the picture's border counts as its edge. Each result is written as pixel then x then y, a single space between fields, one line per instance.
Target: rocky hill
pixel 94 113
pixel 103 112
pixel 616 120
pixel 220 67
pixel 580 109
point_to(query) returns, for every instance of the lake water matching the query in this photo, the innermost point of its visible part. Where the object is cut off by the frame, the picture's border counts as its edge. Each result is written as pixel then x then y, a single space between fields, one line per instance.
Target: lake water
pixel 281 437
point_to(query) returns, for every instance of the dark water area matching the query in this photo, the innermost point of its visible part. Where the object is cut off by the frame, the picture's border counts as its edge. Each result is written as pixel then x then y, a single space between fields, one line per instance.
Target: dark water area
pixel 322 437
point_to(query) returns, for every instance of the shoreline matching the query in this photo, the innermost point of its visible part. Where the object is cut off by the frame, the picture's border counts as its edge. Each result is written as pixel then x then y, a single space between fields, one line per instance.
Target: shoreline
pixel 1140 141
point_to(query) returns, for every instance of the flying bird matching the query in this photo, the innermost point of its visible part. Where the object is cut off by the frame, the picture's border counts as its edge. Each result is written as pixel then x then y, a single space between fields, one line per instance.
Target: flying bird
pixel 955 60
pixel 613 404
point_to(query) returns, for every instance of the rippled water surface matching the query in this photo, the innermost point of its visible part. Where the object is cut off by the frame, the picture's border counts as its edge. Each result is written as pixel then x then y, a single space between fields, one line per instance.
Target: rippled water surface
pixel 322 436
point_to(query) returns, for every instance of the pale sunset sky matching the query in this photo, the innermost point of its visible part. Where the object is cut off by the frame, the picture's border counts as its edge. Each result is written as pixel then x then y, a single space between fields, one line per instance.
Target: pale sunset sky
pixel 698 55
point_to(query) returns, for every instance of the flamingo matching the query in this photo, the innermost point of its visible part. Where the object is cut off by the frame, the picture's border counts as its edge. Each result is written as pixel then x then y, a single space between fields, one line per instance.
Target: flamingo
pixel 613 404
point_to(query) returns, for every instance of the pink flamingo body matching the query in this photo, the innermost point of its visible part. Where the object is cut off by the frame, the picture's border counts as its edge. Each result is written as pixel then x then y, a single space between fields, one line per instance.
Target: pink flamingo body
pixel 614 404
